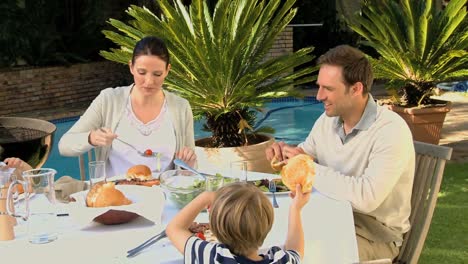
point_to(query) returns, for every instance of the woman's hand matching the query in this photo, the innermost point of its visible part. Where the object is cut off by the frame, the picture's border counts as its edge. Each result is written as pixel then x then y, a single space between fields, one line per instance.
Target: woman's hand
pixel 101 137
pixel 14 162
pixel 187 155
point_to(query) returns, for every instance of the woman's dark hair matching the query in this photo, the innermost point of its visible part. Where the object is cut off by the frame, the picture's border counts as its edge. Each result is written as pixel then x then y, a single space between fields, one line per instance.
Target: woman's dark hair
pixel 151 46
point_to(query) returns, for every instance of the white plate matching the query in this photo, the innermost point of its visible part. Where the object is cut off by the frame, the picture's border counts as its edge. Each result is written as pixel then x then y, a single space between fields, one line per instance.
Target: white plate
pixel 269 193
pixel 123 177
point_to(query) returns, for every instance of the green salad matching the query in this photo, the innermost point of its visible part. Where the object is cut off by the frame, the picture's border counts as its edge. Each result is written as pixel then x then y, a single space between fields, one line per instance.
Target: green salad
pixel 183 197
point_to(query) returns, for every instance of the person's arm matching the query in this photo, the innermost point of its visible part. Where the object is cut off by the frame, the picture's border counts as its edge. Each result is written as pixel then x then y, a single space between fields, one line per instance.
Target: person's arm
pixel 178 229
pixel 76 140
pixel 18 164
pixel 295 236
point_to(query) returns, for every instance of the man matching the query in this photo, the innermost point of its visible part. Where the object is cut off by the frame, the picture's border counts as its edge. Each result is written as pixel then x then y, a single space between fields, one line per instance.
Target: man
pixel 364 153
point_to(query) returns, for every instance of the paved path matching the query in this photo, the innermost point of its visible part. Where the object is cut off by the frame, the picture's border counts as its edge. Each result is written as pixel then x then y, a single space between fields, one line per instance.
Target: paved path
pixel 455 130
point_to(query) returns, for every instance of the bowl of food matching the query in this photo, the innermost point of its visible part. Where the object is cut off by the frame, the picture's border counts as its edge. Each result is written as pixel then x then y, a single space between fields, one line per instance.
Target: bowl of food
pixel 181 186
pixel 104 195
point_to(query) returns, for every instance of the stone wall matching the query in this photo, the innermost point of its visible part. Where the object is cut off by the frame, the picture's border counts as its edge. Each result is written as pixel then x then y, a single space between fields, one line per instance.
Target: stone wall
pixel 57 92
pixel 27 92
pixel 283 43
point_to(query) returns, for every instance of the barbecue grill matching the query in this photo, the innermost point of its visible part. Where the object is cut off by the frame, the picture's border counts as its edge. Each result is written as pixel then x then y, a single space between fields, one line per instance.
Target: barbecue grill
pixel 26 138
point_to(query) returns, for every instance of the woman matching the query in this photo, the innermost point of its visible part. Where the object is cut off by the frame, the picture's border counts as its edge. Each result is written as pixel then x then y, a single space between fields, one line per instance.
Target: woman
pixel 137 124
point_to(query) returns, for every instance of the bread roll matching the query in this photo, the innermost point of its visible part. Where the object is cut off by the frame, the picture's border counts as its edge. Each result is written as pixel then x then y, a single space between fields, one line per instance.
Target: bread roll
pixel 299 170
pixel 105 194
pixel 139 172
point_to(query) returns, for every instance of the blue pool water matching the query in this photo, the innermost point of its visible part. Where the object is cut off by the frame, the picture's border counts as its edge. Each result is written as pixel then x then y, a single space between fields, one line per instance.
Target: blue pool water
pixel 292 120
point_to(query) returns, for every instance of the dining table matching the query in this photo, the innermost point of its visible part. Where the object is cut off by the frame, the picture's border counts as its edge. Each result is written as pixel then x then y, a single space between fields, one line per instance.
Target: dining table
pixel 328 231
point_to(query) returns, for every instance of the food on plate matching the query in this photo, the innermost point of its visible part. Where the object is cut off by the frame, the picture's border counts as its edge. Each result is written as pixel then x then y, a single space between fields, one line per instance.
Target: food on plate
pixel 203 231
pixel 186 194
pixel 263 185
pixel 277 165
pixel 105 194
pixel 299 170
pixel 139 175
pixel 148 152
pixel 139 172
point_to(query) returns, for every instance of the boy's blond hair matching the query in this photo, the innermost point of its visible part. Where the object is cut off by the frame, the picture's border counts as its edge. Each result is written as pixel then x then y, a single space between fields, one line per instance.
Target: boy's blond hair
pixel 241 217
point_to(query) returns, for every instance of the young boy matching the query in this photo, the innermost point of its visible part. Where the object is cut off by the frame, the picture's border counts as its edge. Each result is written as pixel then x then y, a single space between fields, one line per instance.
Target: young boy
pixel 241 216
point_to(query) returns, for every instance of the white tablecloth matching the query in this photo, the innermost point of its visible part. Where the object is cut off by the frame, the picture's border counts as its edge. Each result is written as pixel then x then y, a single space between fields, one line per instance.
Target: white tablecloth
pixel 328 226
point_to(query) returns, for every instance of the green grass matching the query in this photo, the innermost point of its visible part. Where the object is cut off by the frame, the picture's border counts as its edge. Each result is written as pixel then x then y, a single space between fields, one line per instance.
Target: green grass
pixel 447 241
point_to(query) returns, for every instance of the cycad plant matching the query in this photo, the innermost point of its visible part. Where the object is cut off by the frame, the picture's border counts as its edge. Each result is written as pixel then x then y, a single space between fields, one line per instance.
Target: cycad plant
pixel 419 45
pixel 219 59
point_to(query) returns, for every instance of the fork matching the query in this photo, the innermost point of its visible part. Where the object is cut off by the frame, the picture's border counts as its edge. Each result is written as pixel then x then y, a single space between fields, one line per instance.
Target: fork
pixel 147 243
pixel 272 189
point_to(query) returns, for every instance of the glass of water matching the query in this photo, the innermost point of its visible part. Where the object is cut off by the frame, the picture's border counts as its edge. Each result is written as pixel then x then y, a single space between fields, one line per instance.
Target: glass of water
pixel 97 172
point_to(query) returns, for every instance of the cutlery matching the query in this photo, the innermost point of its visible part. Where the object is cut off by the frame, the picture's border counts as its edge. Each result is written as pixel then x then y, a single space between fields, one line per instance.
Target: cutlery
pixel 272 189
pixel 153 154
pixel 184 165
pixel 133 252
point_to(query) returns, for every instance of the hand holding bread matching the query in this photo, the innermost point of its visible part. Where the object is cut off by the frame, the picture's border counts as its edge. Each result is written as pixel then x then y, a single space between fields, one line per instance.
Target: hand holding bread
pixel 299 169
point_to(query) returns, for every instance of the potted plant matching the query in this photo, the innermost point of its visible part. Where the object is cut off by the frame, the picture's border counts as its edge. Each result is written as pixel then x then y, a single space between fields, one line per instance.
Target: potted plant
pixel 219 65
pixel 419 46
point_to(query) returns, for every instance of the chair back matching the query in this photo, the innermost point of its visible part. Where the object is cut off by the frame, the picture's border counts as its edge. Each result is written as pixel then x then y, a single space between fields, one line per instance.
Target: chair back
pixel 81 163
pixel 430 164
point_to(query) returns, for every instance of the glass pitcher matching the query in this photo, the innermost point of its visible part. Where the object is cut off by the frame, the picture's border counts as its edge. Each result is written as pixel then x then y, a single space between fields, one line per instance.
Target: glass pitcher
pixel 41 209
pixel 6 221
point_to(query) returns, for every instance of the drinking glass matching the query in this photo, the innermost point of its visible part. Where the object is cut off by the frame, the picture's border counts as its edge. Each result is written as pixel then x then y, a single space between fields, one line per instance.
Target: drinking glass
pixel 213 182
pixel 239 170
pixel 97 172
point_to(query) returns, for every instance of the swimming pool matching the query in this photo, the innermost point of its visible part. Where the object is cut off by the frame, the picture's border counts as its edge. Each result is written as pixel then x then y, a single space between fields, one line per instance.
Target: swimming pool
pixel 292 120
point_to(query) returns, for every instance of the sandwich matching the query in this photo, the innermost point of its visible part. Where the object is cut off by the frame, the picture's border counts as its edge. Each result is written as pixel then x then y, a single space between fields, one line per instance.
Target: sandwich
pixel 139 175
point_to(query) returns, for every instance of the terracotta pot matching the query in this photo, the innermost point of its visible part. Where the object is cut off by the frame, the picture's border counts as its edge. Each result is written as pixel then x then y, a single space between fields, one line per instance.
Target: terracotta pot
pixel 222 157
pixel 425 123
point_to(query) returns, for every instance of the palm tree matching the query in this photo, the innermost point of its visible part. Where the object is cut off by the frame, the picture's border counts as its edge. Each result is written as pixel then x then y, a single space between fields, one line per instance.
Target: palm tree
pixel 218 58
pixel 419 44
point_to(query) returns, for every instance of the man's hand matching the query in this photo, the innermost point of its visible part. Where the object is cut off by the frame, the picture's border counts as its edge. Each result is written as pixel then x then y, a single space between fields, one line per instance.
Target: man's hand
pixel 289 152
pixel 101 137
pixel 282 151
pixel 275 150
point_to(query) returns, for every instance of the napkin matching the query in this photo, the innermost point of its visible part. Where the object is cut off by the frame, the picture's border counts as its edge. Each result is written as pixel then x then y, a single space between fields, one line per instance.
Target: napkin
pixel 147 202
pixel 65 186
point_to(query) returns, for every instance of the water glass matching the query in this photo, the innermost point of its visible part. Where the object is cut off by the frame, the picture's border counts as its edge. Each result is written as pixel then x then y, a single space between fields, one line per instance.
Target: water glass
pixel 213 183
pixel 97 172
pixel 239 170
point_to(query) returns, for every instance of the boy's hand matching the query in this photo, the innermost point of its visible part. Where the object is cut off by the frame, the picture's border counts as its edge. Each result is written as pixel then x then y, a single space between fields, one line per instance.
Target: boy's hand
pixel 299 198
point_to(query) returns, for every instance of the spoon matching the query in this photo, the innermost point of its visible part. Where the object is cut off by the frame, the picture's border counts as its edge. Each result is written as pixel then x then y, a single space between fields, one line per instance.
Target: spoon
pixel 184 165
